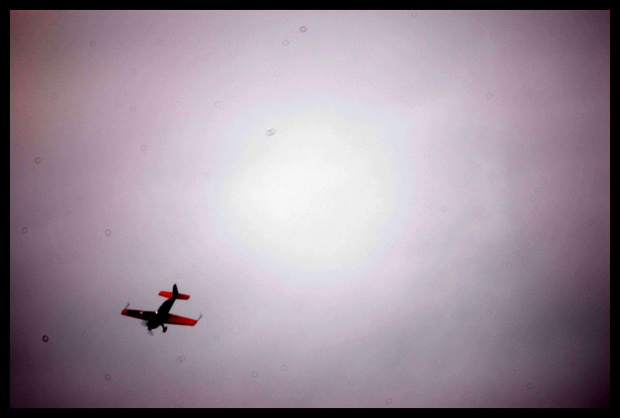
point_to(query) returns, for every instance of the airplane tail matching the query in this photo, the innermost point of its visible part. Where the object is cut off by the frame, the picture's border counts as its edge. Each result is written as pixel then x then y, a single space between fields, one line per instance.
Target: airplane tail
pixel 174 294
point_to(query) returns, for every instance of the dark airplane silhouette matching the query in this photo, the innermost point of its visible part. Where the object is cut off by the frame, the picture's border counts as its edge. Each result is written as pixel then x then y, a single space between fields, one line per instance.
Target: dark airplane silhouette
pixel 162 316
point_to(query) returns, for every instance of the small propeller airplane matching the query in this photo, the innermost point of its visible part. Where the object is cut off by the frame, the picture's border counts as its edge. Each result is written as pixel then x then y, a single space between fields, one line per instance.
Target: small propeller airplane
pixel 162 316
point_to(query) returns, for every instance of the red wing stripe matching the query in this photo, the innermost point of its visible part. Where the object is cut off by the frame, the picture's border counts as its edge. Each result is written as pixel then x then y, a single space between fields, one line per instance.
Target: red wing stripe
pixel 180 320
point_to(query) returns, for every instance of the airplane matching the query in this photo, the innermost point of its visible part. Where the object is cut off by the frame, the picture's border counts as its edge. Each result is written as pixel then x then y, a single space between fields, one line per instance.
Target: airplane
pixel 162 316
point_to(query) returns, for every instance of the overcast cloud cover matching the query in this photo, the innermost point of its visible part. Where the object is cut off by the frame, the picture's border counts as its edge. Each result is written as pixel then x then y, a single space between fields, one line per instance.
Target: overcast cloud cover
pixel 369 209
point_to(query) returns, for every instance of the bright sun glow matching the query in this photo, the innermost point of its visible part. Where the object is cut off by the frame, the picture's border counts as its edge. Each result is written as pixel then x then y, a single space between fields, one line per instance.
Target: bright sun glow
pixel 316 195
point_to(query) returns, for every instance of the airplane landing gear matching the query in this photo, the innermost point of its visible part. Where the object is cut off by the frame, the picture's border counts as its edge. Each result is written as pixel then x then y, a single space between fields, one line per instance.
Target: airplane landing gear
pixel 165 328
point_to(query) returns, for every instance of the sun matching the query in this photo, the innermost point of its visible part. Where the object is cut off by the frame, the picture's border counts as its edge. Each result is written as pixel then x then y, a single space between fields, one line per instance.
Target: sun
pixel 316 195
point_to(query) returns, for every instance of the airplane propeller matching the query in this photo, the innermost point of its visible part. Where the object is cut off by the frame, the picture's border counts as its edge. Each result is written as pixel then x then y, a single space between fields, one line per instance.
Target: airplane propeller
pixel 199 318
pixel 144 324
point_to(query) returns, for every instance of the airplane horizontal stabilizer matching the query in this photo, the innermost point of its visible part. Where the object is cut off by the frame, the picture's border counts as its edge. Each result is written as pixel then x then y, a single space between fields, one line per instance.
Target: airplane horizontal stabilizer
pixel 180 296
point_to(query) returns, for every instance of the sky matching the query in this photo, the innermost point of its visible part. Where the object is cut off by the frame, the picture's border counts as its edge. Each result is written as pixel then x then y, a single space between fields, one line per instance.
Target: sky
pixel 379 209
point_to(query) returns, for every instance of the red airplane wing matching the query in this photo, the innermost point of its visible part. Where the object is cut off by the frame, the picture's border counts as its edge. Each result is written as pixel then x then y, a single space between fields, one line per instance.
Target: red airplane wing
pixel 180 320
pixel 145 315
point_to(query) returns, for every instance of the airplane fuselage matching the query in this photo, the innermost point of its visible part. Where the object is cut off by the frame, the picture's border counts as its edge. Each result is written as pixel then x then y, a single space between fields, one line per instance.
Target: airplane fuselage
pixel 161 314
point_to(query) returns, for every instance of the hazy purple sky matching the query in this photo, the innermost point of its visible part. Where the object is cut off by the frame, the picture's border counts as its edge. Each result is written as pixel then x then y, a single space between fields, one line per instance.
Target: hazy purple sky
pixel 370 209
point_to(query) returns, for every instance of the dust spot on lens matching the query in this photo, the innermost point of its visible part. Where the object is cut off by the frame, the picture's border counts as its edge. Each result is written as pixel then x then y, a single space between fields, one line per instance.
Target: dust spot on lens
pixel 283 367
pixel 143 148
pixel 132 109
pixel 108 232
pixel 45 338
pixel 488 96
pixel 270 132
pixel 37 160
pixel 107 377
pixel 285 42
pixel 24 230
pixel 277 73
pixel 216 337
pixel 93 43
pixel 254 374
pixel 303 29
pixel 444 208
pixel 218 104
pixel 180 360
pixel 389 401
